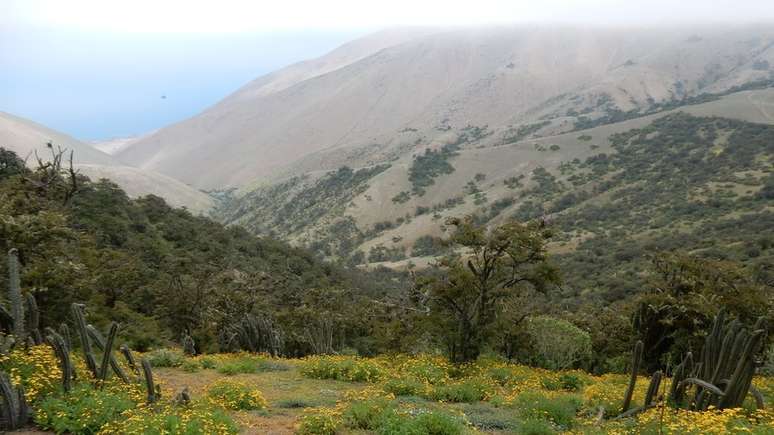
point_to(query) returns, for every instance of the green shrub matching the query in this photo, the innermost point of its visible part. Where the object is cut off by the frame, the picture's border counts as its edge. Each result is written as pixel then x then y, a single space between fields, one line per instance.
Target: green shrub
pixel 236 367
pixel 571 381
pixel 425 423
pixel 165 358
pixel 318 424
pixel 366 414
pixel 558 409
pixel 190 366
pixel 556 343
pixel 294 403
pixel 235 395
pixel 207 363
pixel 428 371
pixel 463 392
pixel 536 427
pixel 404 386
pixel 200 418
pixel 501 375
pixel 83 411
pixel 342 368
pixel 249 364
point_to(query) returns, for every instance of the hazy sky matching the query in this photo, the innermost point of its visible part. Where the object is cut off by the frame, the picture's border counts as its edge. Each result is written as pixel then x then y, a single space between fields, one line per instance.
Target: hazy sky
pixel 98 68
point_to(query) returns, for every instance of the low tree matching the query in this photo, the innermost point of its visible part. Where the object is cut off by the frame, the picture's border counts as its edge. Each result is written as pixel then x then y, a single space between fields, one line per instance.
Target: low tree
pixel 685 294
pixel 470 288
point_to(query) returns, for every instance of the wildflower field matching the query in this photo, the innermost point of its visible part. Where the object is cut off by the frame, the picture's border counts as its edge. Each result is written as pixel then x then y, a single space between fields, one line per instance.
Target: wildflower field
pixel 257 394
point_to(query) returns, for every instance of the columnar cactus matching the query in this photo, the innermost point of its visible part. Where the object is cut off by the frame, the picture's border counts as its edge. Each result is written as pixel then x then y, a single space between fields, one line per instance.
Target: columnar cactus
pixel 101 344
pixel 130 361
pixel 64 331
pixel 636 361
pixel 189 346
pixel 723 375
pixel 63 354
pixel 149 386
pixel 33 319
pixel 13 407
pixel 107 355
pixel 80 324
pixel 259 334
pixel 15 296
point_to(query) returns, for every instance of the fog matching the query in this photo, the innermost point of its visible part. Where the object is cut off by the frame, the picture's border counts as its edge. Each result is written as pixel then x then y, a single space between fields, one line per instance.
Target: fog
pixel 101 69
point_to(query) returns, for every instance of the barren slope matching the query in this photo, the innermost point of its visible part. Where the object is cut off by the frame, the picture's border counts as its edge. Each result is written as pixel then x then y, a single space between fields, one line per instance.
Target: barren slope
pixel 386 97
pixel 26 137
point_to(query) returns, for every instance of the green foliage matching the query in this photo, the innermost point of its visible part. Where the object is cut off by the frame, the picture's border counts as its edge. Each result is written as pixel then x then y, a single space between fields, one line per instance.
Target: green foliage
pixel 424 423
pixel 401 197
pixel 559 410
pixel 556 343
pixel 514 182
pixel 366 414
pixel 158 271
pixel 342 368
pixel 466 293
pixel 84 411
pixel 246 363
pixel 199 418
pixel 682 298
pixel 523 132
pixel 190 366
pixel 165 357
pixel 428 245
pixel 428 166
pixel 236 396
pixel 404 386
pixel 318 424
pixel 465 392
pixel 536 427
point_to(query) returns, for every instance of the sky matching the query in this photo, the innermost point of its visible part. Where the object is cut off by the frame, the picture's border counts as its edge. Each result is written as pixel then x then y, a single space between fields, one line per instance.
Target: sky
pixel 99 69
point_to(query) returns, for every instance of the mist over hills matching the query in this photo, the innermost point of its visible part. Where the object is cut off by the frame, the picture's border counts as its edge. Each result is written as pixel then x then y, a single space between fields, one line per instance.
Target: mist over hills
pixel 28 139
pixel 399 92
pixel 361 153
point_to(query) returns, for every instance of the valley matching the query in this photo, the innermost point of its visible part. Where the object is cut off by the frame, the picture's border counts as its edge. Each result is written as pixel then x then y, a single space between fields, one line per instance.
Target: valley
pixel 501 229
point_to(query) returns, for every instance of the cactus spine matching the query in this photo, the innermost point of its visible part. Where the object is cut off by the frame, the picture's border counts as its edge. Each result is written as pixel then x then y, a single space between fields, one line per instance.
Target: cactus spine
pixel 14 295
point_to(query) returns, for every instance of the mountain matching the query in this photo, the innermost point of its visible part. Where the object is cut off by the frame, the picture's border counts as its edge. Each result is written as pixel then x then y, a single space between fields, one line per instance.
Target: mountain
pixel 387 97
pixel 394 213
pixel 27 138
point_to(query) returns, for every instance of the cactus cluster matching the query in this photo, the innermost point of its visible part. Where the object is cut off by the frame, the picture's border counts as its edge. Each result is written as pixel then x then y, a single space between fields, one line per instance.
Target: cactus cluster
pixel 320 337
pixel 25 329
pixel 722 377
pixel 254 334
pixel 14 411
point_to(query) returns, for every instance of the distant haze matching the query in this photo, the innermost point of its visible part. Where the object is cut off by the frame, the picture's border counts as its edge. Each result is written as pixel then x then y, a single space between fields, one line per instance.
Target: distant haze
pixel 104 69
pixel 98 86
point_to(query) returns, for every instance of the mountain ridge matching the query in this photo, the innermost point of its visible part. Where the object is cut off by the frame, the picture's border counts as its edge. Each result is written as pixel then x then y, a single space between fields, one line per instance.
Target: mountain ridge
pixel 430 87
